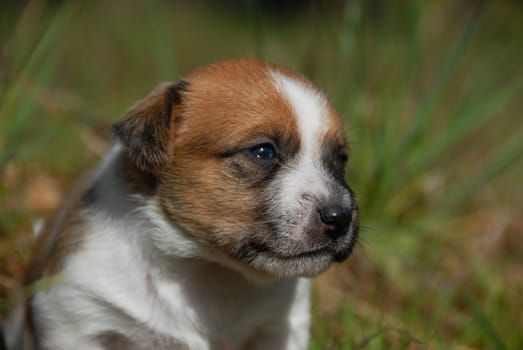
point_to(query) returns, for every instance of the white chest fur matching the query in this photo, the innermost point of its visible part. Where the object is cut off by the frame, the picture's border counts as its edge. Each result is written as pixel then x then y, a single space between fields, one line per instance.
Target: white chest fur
pixel 121 292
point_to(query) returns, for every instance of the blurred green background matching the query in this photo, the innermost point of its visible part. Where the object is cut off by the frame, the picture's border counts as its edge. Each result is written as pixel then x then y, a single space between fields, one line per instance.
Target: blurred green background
pixel 431 93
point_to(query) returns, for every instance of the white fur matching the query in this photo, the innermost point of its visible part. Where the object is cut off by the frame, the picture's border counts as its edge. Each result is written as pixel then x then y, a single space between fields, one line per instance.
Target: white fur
pixel 306 179
pixel 310 110
pixel 135 274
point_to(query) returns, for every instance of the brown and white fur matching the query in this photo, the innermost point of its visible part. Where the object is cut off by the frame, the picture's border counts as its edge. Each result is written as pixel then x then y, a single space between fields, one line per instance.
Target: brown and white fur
pixel 198 230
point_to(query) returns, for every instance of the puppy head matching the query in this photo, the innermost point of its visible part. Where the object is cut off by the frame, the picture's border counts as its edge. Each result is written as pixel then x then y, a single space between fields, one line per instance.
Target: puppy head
pixel 249 162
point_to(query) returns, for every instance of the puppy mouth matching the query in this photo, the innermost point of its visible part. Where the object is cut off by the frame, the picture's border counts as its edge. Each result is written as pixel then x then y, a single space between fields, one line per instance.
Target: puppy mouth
pixel 281 255
pixel 313 253
pixel 250 251
pixel 337 255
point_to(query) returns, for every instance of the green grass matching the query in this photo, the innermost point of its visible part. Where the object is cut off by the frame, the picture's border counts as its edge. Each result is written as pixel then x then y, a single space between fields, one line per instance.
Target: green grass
pixel 431 93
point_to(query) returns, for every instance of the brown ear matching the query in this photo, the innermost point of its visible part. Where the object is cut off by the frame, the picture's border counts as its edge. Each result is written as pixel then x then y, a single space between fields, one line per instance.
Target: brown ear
pixel 145 129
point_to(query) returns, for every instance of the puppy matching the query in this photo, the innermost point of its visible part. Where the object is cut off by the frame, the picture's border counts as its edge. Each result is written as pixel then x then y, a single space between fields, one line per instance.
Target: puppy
pixel 224 191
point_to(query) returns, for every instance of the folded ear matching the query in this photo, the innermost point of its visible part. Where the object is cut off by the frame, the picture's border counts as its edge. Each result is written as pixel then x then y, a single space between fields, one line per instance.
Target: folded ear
pixel 145 130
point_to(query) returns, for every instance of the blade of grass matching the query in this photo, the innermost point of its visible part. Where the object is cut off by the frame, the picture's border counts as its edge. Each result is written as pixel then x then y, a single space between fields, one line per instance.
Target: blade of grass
pixel 421 120
pixel 472 116
pixel 496 343
pixel 507 155
pixel 40 67
pixel 385 177
pixel 21 42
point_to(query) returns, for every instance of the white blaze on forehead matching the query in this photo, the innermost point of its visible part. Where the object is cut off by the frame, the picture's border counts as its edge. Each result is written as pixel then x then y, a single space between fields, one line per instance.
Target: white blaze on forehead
pixel 306 177
pixel 310 110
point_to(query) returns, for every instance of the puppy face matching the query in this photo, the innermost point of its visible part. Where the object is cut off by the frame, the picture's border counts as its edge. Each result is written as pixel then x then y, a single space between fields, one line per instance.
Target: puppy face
pixel 248 160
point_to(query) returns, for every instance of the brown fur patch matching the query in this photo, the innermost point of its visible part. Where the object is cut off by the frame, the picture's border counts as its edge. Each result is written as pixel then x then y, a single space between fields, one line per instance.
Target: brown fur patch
pixel 334 138
pixel 230 103
pixel 227 108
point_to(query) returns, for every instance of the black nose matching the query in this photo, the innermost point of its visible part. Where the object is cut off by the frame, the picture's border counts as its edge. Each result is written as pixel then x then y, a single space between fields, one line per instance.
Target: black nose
pixel 337 219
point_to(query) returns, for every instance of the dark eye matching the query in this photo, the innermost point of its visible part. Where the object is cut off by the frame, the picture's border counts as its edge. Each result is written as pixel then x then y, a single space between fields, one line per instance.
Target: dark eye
pixel 263 152
pixel 343 158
